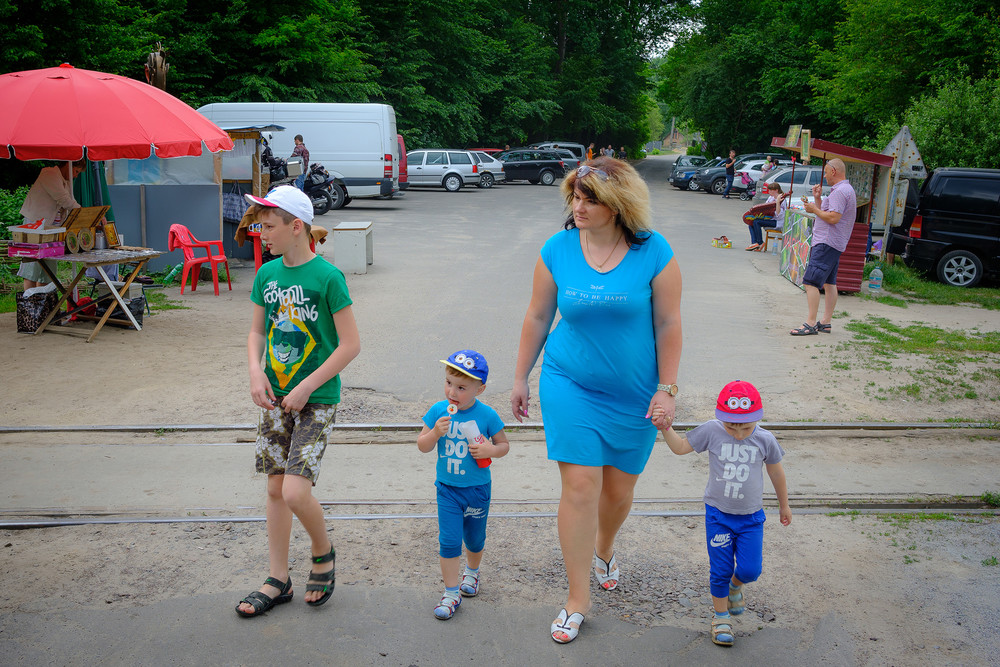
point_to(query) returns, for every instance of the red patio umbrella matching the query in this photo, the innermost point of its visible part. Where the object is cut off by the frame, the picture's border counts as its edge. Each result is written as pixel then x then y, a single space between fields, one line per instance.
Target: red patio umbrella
pixel 58 112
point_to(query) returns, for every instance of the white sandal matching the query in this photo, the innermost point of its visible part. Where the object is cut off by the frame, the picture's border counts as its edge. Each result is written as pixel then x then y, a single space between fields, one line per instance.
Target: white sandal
pixel 609 579
pixel 562 625
pixel 470 583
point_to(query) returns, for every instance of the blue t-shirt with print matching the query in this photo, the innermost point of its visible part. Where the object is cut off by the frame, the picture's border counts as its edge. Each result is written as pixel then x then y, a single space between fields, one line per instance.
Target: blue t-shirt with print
pixel 455 465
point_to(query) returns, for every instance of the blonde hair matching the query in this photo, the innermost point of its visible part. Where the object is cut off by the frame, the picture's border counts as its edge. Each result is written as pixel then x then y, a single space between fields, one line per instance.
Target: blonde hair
pixel 624 192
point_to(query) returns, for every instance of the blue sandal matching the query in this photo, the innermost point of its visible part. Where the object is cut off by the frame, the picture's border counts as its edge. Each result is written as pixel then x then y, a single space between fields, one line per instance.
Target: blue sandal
pixel 736 604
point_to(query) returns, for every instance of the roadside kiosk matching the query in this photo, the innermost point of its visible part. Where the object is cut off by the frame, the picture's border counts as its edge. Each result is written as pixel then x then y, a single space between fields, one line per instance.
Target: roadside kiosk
pixel 863 173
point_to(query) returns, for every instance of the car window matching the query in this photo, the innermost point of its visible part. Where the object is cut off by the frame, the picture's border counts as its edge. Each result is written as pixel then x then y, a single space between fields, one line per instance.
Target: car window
pixel 483 157
pixel 510 157
pixel 416 158
pixel 459 158
pixel 437 157
pixel 969 195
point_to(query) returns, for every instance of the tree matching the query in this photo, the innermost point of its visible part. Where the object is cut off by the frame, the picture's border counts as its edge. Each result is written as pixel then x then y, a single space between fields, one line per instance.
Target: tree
pixel 955 124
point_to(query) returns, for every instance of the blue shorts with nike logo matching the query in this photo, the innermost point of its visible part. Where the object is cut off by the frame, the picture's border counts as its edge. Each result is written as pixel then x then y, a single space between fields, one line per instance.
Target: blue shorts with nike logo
pixel 735 546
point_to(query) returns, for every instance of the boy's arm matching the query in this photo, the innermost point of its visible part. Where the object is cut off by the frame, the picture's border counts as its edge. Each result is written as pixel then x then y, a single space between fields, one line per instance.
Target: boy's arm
pixel 677 443
pixel 348 348
pixel 428 437
pixel 500 445
pixel 777 474
pixel 260 387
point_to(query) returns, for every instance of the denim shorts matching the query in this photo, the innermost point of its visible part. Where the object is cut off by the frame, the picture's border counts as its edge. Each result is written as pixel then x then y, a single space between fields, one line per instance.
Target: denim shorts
pixel 822 268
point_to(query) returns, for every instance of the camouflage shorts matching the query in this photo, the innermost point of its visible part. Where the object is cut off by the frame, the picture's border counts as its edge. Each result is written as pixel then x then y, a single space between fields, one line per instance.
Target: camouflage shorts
pixel 292 443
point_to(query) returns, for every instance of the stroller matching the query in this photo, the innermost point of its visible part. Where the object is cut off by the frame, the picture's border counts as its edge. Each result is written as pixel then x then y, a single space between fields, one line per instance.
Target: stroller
pixel 751 187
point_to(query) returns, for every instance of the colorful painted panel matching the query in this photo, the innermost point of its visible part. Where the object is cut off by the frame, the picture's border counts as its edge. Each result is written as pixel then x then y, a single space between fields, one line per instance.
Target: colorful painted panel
pixel 795 245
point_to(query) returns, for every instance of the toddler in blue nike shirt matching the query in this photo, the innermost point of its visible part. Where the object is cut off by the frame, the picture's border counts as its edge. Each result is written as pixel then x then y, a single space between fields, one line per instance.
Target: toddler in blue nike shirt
pixel 739 450
pixel 462 428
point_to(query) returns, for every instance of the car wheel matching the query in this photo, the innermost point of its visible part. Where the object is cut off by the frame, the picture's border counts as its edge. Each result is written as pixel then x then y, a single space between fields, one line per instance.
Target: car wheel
pixel 452 183
pixel 321 201
pixel 719 186
pixel 486 181
pixel 547 178
pixel 339 197
pixel 960 268
pixel 693 185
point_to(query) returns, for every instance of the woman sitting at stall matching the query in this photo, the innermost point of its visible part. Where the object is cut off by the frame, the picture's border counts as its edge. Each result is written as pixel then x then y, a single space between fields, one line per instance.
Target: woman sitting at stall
pixel 50 199
pixel 767 215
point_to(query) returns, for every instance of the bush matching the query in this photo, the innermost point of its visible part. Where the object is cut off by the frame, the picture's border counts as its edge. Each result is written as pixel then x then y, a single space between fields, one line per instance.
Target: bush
pixel 694 150
pixel 10 209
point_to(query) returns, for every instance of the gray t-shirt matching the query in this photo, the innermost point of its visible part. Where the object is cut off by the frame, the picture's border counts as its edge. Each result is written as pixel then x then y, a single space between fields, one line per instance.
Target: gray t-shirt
pixel 735 467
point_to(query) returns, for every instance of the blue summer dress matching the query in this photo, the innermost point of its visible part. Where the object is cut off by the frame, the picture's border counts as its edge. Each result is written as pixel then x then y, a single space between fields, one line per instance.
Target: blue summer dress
pixel 599 370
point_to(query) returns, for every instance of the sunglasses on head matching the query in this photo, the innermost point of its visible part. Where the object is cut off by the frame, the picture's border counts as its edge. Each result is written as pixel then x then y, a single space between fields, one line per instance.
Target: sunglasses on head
pixel 587 169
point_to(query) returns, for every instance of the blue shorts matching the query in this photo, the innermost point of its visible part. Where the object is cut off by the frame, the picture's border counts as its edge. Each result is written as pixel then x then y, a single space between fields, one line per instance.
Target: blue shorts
pixel 462 514
pixel 822 268
pixel 735 546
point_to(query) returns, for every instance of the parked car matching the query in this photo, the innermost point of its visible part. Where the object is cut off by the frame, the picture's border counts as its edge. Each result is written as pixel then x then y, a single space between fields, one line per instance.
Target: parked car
pixel 450 169
pixel 687 175
pixel 404 178
pixel 806 176
pixel 490 169
pixel 533 165
pixel 754 169
pixel 684 167
pixel 569 158
pixel 955 233
pixel 579 150
pixel 713 179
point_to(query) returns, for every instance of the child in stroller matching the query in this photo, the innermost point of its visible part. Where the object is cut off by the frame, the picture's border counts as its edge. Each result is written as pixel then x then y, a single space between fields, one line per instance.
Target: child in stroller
pixel 751 187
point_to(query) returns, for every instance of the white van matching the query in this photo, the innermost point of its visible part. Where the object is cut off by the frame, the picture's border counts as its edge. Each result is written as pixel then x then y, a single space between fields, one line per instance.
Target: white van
pixel 356 143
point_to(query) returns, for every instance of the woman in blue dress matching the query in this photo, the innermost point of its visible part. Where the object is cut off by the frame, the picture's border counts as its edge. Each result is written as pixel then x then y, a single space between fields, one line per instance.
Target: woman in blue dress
pixel 611 358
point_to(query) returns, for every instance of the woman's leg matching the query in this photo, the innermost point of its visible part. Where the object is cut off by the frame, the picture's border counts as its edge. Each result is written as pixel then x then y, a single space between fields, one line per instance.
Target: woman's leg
pixel 613 507
pixel 578 503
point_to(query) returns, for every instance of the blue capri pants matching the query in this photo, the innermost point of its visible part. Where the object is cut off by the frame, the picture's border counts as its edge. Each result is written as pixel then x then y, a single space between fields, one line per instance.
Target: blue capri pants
pixel 735 546
pixel 462 514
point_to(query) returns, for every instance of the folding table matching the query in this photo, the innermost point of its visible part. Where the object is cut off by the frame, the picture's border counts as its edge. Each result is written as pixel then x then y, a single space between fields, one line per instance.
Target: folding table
pixel 99 259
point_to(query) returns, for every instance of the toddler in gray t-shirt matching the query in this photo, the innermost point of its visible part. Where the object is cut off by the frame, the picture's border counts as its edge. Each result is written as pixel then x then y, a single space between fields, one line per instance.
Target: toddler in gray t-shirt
pixel 739 451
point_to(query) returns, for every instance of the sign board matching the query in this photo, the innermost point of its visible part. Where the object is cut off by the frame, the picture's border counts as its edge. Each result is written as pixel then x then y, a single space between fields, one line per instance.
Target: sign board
pixel 792 138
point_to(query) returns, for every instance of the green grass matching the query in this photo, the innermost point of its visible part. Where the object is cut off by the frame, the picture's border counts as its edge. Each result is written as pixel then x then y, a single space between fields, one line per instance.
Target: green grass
pixel 909 285
pixel 991 499
pixel 888 339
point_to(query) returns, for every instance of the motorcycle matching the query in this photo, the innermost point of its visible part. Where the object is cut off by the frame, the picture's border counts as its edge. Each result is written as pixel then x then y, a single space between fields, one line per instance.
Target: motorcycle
pixel 318 185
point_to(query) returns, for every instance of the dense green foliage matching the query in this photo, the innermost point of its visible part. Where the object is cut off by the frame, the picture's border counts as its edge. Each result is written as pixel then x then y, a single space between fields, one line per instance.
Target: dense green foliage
pixel 458 73
pixel 850 70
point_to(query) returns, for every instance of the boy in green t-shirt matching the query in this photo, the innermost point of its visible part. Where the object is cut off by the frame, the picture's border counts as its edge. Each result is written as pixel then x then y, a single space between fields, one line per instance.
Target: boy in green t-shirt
pixel 303 334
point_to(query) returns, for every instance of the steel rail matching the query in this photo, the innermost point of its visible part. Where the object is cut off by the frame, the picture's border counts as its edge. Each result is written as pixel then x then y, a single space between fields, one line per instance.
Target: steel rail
pixel 528 426
pixel 22 525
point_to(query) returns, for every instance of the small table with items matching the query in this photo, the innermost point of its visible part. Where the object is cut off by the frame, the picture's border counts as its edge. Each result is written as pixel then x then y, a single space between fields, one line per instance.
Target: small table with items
pixel 98 259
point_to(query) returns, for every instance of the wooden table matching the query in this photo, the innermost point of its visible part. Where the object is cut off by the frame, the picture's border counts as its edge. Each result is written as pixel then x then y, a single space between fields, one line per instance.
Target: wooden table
pixel 99 259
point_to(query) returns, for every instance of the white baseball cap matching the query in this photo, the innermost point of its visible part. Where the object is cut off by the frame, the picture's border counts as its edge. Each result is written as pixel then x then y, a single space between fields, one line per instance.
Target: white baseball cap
pixel 288 198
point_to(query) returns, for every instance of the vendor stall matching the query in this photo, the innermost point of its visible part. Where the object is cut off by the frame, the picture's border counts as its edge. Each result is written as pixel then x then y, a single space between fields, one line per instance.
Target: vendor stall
pixel 861 173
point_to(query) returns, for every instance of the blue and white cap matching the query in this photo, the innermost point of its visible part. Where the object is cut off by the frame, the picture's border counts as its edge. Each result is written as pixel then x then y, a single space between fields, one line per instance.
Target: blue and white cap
pixel 469 362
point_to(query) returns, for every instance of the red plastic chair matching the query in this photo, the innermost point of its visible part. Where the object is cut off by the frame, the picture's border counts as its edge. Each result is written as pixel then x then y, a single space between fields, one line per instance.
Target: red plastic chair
pixel 182 238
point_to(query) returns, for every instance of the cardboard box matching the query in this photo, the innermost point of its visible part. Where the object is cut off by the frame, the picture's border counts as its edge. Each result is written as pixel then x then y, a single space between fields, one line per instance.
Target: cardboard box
pixel 19 234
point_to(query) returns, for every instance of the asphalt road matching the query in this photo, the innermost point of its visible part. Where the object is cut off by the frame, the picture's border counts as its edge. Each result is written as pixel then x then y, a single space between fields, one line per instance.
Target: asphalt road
pixel 453 271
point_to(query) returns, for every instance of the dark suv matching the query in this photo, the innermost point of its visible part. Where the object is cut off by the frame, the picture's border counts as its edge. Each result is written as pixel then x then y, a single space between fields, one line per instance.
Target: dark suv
pixel 532 165
pixel 956 230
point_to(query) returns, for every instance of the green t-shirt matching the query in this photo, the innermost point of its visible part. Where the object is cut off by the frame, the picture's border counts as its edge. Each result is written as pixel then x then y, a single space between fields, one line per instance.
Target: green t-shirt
pixel 299 303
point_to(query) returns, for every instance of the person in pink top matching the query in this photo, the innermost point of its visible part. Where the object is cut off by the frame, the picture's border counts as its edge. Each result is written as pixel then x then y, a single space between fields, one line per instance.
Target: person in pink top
pixel 835 217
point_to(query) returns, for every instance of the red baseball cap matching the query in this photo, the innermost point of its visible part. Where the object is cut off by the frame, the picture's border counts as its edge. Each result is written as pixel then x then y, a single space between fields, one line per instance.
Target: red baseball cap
pixel 739 403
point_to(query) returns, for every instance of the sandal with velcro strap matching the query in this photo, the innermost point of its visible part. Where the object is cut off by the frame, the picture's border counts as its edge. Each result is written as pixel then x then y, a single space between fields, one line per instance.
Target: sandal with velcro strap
pixel 735 601
pixel 722 631
pixel 470 583
pixel 262 602
pixel 322 581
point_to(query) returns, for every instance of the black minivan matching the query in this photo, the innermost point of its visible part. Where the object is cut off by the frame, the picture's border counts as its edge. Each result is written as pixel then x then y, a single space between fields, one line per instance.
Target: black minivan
pixel 956 231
